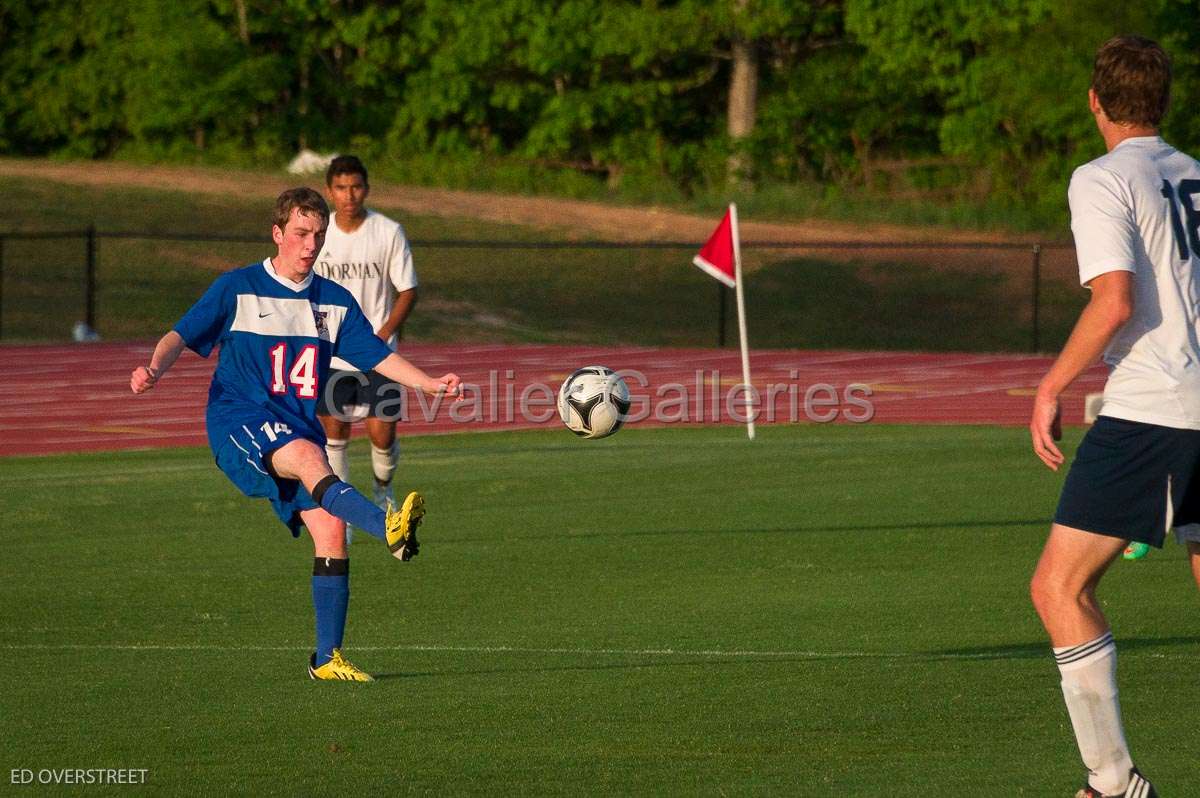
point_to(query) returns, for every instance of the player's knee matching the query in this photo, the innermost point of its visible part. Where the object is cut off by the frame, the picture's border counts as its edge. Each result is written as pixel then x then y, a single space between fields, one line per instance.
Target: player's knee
pixel 328 535
pixel 1044 592
pixel 309 451
pixel 1051 594
pixel 1036 593
pixel 296 458
pixel 383 436
pixel 334 427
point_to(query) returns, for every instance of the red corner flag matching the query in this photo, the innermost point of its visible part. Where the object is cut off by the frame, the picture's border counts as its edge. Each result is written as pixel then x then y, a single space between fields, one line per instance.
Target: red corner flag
pixel 716 257
pixel 721 257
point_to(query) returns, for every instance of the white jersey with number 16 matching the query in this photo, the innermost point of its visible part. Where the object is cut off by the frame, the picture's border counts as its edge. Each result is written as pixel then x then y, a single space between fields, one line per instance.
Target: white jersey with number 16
pixel 1137 209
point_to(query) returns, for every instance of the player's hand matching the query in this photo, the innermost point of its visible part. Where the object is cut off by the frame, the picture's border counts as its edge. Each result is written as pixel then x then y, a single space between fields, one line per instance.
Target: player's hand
pixel 1046 428
pixel 446 385
pixel 143 379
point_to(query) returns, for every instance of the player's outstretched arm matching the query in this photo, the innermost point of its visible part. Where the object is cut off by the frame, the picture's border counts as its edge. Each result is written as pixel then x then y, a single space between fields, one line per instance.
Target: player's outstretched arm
pixel 1110 307
pixel 397 369
pixel 165 354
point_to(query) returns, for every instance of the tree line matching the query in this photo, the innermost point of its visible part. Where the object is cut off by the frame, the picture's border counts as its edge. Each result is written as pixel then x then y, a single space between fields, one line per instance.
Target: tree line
pixel 983 98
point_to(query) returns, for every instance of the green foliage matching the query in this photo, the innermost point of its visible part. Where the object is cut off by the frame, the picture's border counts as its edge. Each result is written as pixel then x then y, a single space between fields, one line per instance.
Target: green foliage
pixel 1179 21
pixel 593 85
pixel 589 96
pixel 177 85
pixel 1010 78
pixel 61 77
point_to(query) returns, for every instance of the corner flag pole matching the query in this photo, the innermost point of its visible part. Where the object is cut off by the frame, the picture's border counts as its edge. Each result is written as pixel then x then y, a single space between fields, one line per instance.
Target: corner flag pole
pixel 741 309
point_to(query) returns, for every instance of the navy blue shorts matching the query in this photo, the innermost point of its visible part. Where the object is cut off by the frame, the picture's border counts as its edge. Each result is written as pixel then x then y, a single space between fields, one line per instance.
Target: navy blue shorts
pixel 240 457
pixel 353 395
pixel 1134 481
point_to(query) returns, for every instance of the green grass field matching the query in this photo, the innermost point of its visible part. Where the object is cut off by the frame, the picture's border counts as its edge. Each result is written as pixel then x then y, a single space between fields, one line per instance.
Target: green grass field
pixel 610 296
pixel 824 611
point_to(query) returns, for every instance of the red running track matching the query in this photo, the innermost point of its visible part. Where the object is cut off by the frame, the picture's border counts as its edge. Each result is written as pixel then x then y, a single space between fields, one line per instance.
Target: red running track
pixel 77 398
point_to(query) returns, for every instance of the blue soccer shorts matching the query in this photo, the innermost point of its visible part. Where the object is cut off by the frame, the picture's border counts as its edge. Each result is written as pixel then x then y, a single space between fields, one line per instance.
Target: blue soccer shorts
pixel 1134 481
pixel 240 456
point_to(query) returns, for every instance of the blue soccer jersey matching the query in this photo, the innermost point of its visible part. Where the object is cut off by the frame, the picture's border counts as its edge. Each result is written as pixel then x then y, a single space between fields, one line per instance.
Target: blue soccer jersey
pixel 276 340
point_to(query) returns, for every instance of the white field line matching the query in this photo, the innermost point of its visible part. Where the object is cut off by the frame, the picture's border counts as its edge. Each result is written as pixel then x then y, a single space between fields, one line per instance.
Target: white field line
pixel 1020 653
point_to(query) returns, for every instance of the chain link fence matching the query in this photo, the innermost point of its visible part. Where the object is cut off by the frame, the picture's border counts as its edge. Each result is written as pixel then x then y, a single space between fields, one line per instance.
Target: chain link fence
pixel 817 295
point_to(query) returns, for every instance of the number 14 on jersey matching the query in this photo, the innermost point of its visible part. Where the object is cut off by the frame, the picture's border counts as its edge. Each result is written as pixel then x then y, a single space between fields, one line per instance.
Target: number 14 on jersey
pixel 302 375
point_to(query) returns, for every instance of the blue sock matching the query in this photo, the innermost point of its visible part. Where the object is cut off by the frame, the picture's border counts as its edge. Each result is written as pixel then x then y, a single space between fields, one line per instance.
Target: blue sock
pixel 331 598
pixel 341 499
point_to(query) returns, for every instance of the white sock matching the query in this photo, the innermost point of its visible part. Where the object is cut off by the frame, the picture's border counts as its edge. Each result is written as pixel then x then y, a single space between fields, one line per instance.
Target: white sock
pixel 335 452
pixel 383 461
pixel 1089 685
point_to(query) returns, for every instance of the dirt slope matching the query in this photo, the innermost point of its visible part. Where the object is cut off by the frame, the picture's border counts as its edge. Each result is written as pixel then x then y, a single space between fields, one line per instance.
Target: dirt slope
pixel 590 220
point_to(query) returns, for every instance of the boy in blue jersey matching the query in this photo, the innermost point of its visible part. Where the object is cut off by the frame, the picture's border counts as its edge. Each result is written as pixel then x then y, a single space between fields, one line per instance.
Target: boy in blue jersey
pixel 278 325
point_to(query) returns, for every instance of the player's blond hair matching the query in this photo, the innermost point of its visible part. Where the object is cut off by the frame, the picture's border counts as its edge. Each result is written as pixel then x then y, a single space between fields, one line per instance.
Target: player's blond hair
pixel 304 199
pixel 1132 80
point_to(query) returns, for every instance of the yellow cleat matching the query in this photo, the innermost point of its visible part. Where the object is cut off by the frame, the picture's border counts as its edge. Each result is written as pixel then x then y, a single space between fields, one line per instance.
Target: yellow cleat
pixel 402 526
pixel 337 669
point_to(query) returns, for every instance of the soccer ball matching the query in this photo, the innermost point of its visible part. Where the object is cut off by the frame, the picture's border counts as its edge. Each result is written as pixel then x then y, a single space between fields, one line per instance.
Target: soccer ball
pixel 593 401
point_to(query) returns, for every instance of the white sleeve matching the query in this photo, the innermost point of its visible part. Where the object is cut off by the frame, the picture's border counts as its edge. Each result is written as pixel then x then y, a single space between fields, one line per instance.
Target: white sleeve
pixel 400 262
pixel 1102 221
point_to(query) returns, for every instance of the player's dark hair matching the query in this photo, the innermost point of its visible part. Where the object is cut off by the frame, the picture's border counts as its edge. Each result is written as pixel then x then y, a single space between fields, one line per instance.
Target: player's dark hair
pixel 309 203
pixel 1132 80
pixel 345 165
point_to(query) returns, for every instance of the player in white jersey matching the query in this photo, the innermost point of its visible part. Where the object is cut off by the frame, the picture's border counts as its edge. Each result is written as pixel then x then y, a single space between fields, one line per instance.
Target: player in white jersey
pixel 1135 475
pixel 368 254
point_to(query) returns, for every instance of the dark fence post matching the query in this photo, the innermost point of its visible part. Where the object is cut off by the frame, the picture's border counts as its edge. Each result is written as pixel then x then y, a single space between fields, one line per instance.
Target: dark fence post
pixel 720 315
pixel 1037 285
pixel 89 286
